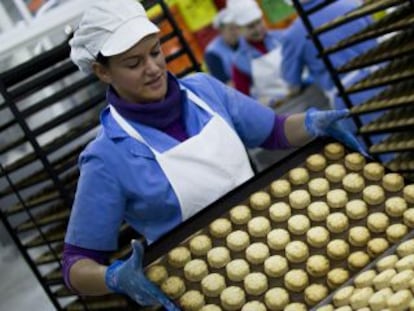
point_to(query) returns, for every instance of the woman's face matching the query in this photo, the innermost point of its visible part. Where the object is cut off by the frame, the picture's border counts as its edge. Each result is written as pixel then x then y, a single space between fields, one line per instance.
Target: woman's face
pixel 139 74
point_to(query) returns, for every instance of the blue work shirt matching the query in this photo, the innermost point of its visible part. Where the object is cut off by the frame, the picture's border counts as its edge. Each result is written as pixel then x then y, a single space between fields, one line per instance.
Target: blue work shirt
pixel 120 178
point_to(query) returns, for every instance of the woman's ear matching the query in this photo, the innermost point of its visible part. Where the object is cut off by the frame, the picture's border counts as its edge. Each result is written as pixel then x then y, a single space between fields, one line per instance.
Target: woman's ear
pixel 101 72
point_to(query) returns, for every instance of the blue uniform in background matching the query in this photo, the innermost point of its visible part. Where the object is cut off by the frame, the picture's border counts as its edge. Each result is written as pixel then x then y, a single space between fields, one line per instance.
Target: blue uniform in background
pixel 120 177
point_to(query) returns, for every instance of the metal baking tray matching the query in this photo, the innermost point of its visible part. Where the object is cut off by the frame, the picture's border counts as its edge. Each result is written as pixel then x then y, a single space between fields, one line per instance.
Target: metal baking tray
pixel 398 142
pixel 155 253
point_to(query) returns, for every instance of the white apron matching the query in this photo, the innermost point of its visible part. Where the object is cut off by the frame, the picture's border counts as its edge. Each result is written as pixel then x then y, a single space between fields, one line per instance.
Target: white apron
pixel 204 167
pixel 268 84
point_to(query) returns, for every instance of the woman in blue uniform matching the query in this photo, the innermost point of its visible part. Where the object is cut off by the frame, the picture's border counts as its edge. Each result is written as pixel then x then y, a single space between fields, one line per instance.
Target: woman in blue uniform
pixel 167 148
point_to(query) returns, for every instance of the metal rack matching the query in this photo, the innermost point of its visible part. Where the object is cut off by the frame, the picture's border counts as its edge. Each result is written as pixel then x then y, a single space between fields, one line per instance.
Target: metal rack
pixel 51 111
pixel 390 63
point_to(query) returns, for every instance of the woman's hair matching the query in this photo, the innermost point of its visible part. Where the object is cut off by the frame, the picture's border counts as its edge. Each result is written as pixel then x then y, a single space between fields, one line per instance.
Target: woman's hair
pixel 103 60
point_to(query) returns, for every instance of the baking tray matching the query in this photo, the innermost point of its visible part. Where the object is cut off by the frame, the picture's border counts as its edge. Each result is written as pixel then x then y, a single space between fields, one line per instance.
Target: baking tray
pixel 363 10
pixel 396 96
pixel 398 142
pixel 399 45
pixel 400 19
pixel 402 163
pixel 396 120
pixel 390 251
pixel 198 224
pixel 396 71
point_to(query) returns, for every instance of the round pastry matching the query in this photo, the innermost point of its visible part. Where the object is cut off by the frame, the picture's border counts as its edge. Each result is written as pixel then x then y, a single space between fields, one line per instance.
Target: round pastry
pixel 211 307
pixel 383 279
pixel 276 266
pixel 408 193
pixel 279 212
pixel 378 301
pixel 213 284
pixel 257 253
pixel 315 293
pixel 360 297
pixel 353 182
pixel 318 187
pixel 373 171
pixel 400 300
pixel 408 217
pixel 260 200
pixel 357 260
pixel 402 280
pixel 365 279
pixel 318 211
pixel 237 240
pixel 378 222
pixel 386 263
pixel 359 236
pixel 298 176
pixel 317 236
pixel 200 245
pixel 218 257
pixel 297 251
pixel 377 246
pixel 342 296
pixel 406 248
pixel 254 306
pixel 296 280
pixel 280 188
pixel 396 232
pixel 337 198
pixel 316 162
pixel 337 249
pixel 336 277
pixel 220 228
pixel 258 226
pixel 276 298
pixel 395 206
pixel 406 263
pixel 393 182
pixel 195 270
pixel 192 300
pixel 299 199
pixel 179 256
pixel 326 308
pixel 373 195
pixel 317 265
pixel 298 224
pixel 173 287
pixel 335 173
pixel 334 151
pixel 295 306
pixel 157 274
pixel 237 270
pixel 356 209
pixel 277 239
pixel 344 308
pixel 337 222
pixel 232 298
pixel 255 283
pixel 240 214
pixel 354 161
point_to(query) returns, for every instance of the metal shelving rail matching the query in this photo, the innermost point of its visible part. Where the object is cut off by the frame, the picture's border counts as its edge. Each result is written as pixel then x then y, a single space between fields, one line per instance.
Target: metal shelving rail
pixel 390 63
pixel 51 112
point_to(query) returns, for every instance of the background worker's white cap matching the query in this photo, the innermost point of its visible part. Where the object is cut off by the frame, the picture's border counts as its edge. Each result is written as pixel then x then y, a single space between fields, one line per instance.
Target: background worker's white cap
pixel 223 17
pixel 244 11
pixel 109 27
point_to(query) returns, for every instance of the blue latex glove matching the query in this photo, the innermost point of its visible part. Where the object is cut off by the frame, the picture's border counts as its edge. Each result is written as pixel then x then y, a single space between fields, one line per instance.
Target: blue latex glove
pixel 325 123
pixel 127 277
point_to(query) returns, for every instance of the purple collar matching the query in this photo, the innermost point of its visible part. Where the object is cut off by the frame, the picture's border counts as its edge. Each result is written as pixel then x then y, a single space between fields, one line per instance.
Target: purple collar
pixel 156 114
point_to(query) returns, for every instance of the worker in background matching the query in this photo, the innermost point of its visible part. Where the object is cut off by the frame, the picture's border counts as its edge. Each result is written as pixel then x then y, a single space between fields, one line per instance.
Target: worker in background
pixel 219 53
pixel 299 53
pixel 257 64
pixel 167 148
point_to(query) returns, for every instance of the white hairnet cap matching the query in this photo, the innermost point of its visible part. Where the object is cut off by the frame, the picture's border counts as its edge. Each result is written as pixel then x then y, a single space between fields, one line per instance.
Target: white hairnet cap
pixel 109 27
pixel 223 17
pixel 244 11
